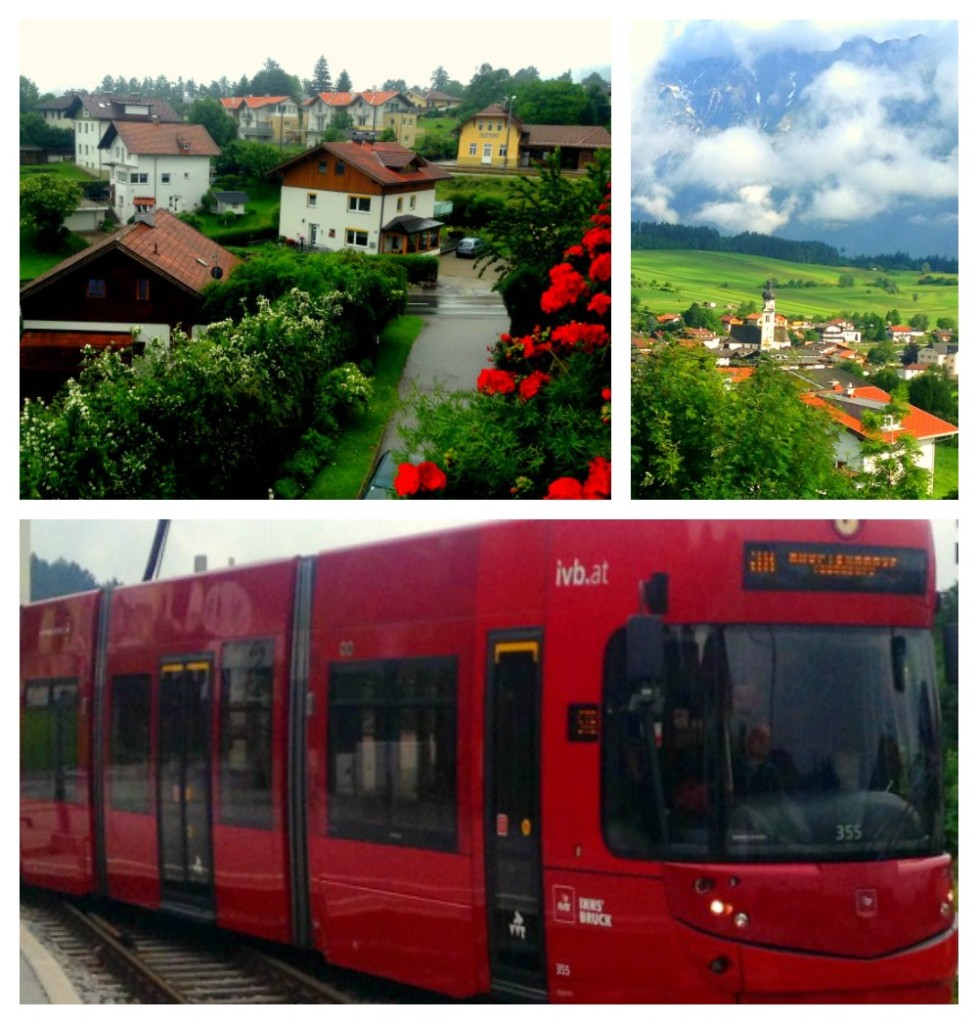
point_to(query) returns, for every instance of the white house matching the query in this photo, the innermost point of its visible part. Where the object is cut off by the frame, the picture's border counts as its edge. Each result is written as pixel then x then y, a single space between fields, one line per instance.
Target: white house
pixel 848 405
pixel 169 163
pixel 92 114
pixel 940 354
pixel 376 197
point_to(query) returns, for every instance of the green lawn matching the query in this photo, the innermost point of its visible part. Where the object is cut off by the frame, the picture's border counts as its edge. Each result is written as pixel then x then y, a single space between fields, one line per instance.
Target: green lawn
pixel 945 469
pixel 357 448
pixel 261 213
pixel 670 280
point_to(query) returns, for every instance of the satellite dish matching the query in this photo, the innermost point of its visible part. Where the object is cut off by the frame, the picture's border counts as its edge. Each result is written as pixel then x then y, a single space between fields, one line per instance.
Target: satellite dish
pixel 217 273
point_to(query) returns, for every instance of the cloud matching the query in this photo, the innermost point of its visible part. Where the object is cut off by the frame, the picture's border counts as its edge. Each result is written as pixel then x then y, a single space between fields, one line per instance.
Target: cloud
pixel 861 139
pixel 753 209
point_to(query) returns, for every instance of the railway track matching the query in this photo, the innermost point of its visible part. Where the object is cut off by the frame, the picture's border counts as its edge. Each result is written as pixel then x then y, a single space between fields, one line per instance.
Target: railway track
pixel 136 958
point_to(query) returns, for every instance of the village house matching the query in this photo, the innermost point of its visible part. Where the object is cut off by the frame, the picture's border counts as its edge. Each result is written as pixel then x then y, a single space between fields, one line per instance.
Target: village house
pixel 371 113
pixel 940 354
pixel 167 163
pixel 272 119
pixel 495 137
pixel 91 115
pixel 376 197
pixel 840 330
pixel 140 282
pixel 848 405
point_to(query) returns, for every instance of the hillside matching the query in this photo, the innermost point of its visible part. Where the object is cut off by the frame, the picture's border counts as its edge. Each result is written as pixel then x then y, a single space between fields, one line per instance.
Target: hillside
pixel 669 281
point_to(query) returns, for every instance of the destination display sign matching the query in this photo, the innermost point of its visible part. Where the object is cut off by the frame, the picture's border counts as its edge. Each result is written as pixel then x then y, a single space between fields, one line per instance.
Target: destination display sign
pixel 778 565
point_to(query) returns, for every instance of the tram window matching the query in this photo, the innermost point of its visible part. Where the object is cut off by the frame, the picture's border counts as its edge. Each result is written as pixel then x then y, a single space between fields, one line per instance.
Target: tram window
pixel 246 734
pixel 128 777
pixel 391 764
pixel 49 740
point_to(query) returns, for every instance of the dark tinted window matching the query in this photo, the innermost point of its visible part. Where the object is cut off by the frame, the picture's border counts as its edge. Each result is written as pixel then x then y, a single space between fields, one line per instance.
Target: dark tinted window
pixel 246 734
pixel 128 767
pixel 49 740
pixel 391 765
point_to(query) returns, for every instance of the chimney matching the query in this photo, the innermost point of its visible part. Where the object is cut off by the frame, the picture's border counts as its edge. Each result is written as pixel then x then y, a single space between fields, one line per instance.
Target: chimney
pixel 144 206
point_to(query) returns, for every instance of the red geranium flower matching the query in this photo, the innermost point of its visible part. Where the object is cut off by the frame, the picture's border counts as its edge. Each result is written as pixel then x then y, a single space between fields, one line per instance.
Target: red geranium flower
pixel 431 477
pixel 408 479
pixel 530 385
pixel 496 382
pixel 600 302
pixel 601 268
pixel 566 488
pixel 598 483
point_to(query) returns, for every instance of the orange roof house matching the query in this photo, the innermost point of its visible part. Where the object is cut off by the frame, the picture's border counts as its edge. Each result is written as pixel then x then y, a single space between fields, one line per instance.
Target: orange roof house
pixel 848 407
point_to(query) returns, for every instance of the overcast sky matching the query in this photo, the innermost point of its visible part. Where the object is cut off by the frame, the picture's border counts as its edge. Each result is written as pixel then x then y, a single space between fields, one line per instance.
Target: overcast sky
pixel 61 54
pixel 120 548
pixel 848 157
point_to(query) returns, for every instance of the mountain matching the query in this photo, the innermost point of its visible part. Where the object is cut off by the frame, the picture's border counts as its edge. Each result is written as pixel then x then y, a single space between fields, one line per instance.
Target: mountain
pixel 855 145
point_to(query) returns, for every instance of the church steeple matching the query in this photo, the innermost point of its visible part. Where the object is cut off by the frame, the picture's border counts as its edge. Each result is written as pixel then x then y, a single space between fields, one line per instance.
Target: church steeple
pixel 768 318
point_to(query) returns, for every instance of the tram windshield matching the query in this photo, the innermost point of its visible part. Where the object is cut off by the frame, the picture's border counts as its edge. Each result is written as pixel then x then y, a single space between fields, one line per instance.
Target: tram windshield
pixel 774 743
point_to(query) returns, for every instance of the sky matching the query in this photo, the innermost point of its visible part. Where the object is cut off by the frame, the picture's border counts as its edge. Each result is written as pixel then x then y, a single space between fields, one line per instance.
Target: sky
pixel 848 162
pixel 120 548
pixel 58 55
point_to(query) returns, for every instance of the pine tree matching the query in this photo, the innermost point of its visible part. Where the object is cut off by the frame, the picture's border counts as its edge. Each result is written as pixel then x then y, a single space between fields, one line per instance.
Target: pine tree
pixel 321 81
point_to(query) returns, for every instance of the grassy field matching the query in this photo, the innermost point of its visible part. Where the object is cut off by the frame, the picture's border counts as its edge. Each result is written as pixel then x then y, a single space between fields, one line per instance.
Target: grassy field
pixel 357 448
pixel 669 281
pixel 945 469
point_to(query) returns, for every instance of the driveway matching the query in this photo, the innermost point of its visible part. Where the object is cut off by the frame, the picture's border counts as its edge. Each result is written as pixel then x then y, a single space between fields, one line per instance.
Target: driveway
pixel 463 318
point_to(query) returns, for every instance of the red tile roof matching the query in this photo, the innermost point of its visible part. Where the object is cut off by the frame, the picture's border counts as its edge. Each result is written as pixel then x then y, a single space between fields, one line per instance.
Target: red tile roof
pixel 158 139
pixel 923 425
pixel 168 246
pixel 387 163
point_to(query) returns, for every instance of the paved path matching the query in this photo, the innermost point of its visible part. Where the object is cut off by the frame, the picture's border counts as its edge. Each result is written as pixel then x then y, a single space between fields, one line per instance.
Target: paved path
pixel 463 318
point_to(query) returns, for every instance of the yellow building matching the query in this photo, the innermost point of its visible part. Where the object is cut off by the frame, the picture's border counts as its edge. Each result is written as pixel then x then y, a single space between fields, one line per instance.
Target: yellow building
pixel 491 138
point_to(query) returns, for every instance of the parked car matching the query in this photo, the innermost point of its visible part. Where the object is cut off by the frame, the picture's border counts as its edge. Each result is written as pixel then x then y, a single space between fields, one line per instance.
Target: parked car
pixel 469 248
pixel 381 485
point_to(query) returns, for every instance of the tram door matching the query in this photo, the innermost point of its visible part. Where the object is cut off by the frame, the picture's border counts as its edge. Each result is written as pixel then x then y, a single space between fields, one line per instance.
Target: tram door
pixel 186 867
pixel 513 855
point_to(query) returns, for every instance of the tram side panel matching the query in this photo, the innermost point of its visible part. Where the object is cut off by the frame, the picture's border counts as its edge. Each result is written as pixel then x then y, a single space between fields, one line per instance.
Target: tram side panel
pixel 391 763
pixel 195 747
pixel 57 646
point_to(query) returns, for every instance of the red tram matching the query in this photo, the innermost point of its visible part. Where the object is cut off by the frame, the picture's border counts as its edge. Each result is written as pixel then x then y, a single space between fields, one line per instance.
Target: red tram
pixel 591 761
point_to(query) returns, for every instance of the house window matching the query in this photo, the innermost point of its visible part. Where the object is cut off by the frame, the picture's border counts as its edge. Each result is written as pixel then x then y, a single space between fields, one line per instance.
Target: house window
pixel 400 204
pixel 323 165
pixel 473 148
pixel 142 289
pixel 357 238
pixel 165 178
pixel 340 167
pixel 310 199
pixel 480 126
pixel 138 178
pixel 95 289
pixel 502 150
pixel 358 204
pixel 412 201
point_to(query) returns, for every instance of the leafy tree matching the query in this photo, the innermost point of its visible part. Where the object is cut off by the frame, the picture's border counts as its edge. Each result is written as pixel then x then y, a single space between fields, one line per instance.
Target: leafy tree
pixel 946 323
pixel 35 131
pixel 212 417
pixel 45 201
pixel 487 86
pixel 703 316
pixel 28 95
pixel 935 392
pixel 695 437
pixel 439 79
pixel 212 115
pixel 919 322
pixel 394 85
pixel 890 461
pixel 343 83
pixel 249 160
pixel 53 579
pixel 321 80
pixel 273 80
pixel 545 216
pixel 552 102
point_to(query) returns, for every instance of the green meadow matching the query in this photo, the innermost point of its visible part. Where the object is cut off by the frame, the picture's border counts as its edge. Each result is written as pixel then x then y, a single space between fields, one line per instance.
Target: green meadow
pixel 670 280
